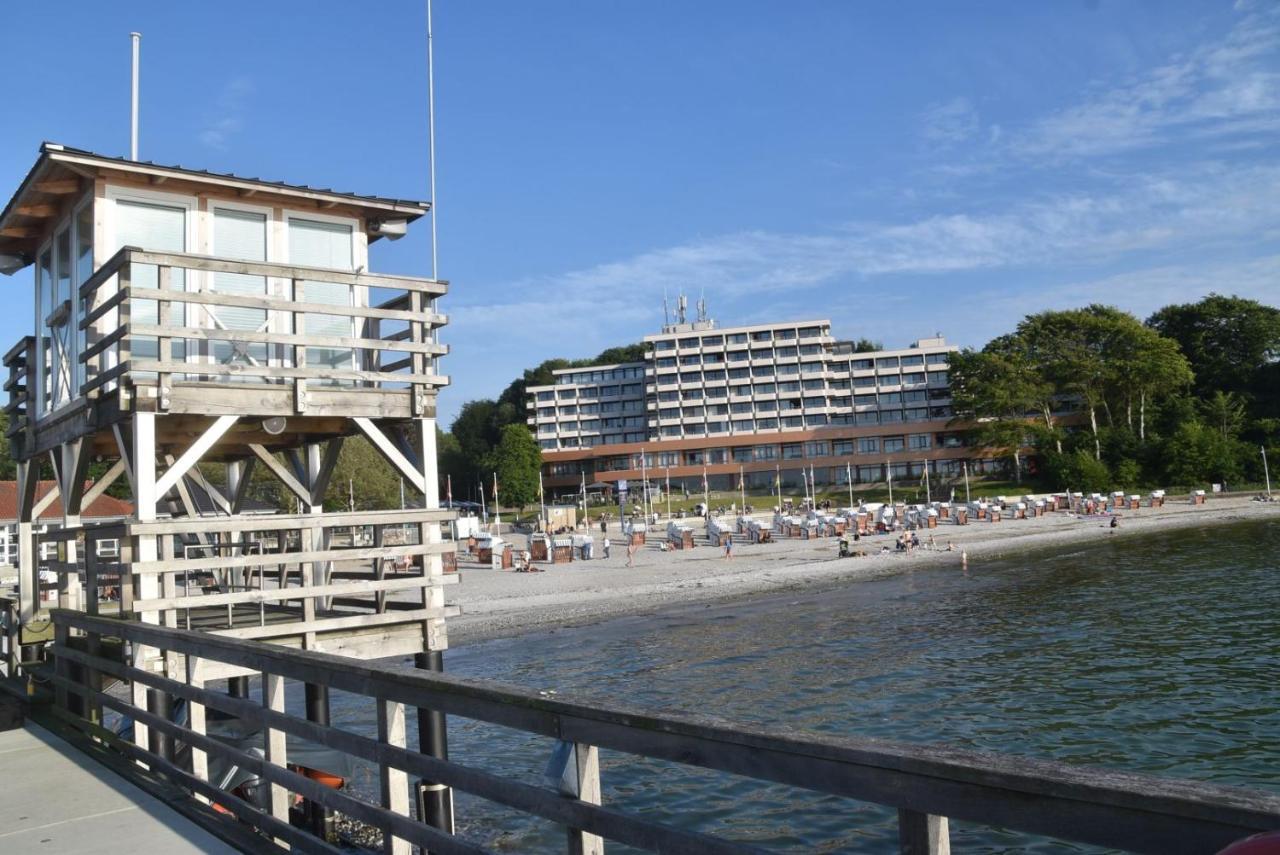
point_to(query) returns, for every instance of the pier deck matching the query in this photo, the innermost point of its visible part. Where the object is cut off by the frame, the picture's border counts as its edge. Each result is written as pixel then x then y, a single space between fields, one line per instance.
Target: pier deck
pixel 69 803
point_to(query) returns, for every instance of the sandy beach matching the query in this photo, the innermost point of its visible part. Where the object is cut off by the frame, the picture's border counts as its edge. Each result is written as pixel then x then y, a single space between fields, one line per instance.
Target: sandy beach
pixel 497 603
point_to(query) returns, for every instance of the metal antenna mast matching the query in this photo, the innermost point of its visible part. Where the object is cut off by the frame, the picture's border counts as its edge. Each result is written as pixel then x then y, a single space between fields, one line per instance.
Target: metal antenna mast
pixel 431 137
pixel 133 106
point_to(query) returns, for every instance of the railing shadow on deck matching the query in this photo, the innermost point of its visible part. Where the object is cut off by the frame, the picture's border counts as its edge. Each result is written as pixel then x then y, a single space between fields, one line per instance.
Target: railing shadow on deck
pixel 926 784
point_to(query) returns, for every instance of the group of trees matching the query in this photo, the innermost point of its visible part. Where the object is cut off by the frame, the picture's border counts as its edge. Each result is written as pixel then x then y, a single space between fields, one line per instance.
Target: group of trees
pixel 1101 399
pixel 492 436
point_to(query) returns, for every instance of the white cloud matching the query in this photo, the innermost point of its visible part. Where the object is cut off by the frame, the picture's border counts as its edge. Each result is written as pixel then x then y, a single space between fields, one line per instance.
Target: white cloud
pixel 950 123
pixel 1228 87
pixel 227 115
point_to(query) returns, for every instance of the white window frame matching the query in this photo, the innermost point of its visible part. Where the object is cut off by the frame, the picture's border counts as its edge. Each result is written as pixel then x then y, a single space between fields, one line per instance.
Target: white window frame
pixel 359 261
pixel 275 285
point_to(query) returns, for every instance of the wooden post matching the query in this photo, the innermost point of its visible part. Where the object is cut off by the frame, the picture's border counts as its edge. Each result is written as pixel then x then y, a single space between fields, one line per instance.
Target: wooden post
pixel 196 721
pixel 145 587
pixel 273 744
pixel 922 833
pixel 587 758
pixel 394 782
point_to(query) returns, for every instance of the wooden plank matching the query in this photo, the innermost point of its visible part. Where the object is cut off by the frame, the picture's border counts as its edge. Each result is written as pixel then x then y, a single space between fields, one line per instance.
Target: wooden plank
pixel 193 261
pixel 254 337
pixel 319 625
pixel 205 369
pixel 280 471
pixel 275 595
pixel 57 186
pixel 586 758
pixel 105 306
pixel 280 304
pixel 393 782
pixel 287 522
pixel 273 744
pixel 391 454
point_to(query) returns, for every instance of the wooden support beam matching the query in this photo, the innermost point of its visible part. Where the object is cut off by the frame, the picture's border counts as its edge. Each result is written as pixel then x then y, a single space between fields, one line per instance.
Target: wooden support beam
pixel 124 444
pixel 45 502
pixel 193 454
pixel 320 481
pixel 19 232
pixel 239 476
pixel 57 186
pixel 283 474
pixel 391 454
pixel 104 483
pixel 922 833
pixel 36 210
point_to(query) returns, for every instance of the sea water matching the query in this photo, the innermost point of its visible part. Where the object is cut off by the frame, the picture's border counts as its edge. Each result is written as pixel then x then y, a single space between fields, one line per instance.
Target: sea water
pixel 1156 654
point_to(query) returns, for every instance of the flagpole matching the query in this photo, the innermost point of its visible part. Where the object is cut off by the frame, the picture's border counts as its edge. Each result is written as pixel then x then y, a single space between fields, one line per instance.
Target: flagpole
pixel 585 519
pixel 497 508
pixel 777 483
pixel 813 484
pixel 928 495
pixel 644 485
pixel 848 467
pixel 742 489
pixel 888 471
pixel 668 491
pixel 1265 471
pixel 484 509
pixel 966 484
pixel 706 497
pixel 542 500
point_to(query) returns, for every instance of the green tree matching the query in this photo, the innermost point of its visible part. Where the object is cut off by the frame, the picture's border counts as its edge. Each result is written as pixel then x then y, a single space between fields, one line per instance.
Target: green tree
pixel 362 480
pixel 867 345
pixel 1226 413
pixel 1145 366
pixel 997 392
pixel 1230 342
pixel 516 461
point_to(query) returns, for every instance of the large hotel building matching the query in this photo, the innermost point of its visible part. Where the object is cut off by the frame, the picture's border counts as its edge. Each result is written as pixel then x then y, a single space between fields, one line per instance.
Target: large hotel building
pixel 753 400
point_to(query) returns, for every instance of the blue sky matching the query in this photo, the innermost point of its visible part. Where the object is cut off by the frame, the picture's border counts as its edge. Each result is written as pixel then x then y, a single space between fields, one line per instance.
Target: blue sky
pixel 901 168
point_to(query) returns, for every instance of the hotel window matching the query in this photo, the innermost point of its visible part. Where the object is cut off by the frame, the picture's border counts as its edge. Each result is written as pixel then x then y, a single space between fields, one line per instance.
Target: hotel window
pixel 792 422
pixel 940 412
pixel 589 393
pixel 890 380
pixel 767 424
pixel 842 447
pixel 736 338
pixel 664 344
pixel 716 455
pixel 741 407
pixel 868 474
pixel 609 391
pixel 815 401
pixel 669 413
pixel 839 383
pixel 789 386
pixel 917 414
pixel 817 449
pixel 765 452
pixel 568 427
pixel 631 388
pixel 762 371
pixel 696 429
pixel 913 379
pixel 689 342
pixel 937 358
pixel 815 420
pixel 767 406
pixel 784 335
pixel 568 394
pixel 546 412
pixel 666 362
pixel 691 359
pixel 919 441
pixel 669 396
pixel 738 356
pixel 589 424
pixel 915 397
pixel 862 365
pixel 791 404
pixel 812 368
pixel 690 376
pixel 792 451
pixel 887 362
pixel 789 368
pixel 743 424
pixel 691 394
pixel 740 391
pixel 547 428
pixel 742 454
pixel 712 376
pixel 951 440
pixel 893 443
pixel 546 396
pixel 871 418
pixel 765 389
pixel 811 385
pixel 713 358
pixel 739 373
pixel 671 430
pixel 717 427
pixel 810 349
pixel 810 332
pixel 889 416
pixel 712 341
pixel 887 398
pixel 762 335
pixel 547 443
pixel 912 360
pixel 718 410
pixel 864 382
pixel 762 353
pixel 717 392
pixel 869 445
pixel 692 412
pixel 938 378
pixel 844 401
pixel 785 352
pixel 633 421
pixel 570 410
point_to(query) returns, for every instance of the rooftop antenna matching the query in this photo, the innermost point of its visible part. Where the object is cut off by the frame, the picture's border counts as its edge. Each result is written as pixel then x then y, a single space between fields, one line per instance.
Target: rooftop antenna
pixel 666 312
pixel 133 113
pixel 431 137
pixel 702 306
pixel 682 303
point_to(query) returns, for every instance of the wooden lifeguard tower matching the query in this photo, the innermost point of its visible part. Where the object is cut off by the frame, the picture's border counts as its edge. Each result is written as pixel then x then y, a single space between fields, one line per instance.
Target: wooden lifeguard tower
pixel 190 328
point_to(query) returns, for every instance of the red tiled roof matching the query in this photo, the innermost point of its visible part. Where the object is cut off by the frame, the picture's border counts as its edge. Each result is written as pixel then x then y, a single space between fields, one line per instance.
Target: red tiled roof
pixel 102 507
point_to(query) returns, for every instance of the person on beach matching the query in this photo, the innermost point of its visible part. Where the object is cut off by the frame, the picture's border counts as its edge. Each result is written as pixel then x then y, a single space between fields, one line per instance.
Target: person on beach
pixel 728 548
pixel 1115 522
pixel 606 546
pixel 632 548
pixel 932 544
pixel 951 547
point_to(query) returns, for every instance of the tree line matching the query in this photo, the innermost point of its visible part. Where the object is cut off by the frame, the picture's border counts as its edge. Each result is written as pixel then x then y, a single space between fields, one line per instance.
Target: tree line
pixel 1094 398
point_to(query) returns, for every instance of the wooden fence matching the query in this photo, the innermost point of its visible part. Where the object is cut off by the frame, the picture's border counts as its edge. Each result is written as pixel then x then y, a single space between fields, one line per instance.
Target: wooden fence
pixel 926 784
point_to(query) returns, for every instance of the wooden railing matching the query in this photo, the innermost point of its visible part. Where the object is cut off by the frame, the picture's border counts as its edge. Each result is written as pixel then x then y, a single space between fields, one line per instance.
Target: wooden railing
pixel 392 344
pixel 259 577
pixel 20 384
pixel 924 783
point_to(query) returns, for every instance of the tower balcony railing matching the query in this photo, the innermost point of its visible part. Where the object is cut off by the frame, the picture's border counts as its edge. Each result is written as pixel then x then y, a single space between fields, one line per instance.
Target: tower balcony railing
pixel 165 317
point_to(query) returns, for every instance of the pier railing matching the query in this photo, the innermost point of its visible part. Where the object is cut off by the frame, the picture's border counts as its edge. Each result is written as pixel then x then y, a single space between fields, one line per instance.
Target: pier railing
pixel 925 784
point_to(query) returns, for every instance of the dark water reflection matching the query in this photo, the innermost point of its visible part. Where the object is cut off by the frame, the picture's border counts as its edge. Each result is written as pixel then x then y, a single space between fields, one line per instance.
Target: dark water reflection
pixel 1157 654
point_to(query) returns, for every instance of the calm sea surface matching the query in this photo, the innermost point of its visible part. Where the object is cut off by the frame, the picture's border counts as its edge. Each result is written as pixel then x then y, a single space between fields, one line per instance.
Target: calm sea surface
pixel 1159 654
